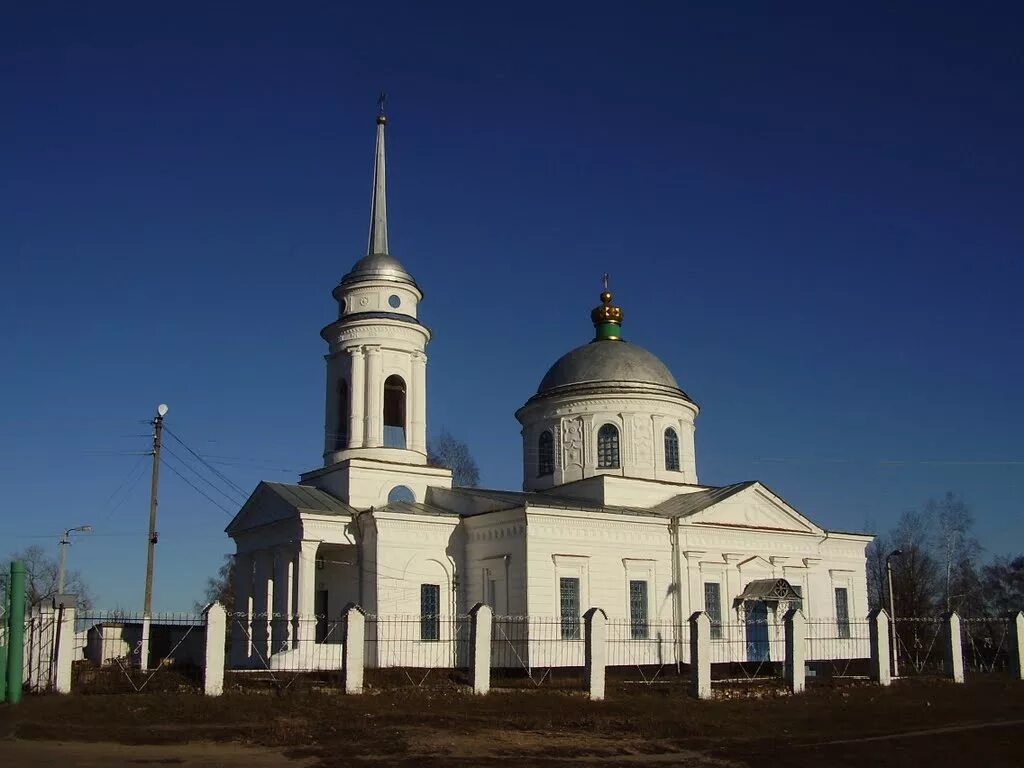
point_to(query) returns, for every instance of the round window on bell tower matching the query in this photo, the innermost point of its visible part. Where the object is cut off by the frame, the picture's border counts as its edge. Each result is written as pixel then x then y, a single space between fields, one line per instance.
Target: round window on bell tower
pixel 395 301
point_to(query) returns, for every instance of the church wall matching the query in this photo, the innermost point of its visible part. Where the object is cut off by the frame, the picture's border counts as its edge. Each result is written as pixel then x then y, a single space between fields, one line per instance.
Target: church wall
pixel 604 552
pixel 414 550
pixel 574 422
pixel 496 552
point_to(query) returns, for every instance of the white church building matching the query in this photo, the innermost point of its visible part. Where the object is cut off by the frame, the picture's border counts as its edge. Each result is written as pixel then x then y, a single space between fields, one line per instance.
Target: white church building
pixel 611 513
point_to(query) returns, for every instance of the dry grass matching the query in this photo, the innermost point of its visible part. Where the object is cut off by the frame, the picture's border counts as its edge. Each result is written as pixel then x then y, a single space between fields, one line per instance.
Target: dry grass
pixel 445 724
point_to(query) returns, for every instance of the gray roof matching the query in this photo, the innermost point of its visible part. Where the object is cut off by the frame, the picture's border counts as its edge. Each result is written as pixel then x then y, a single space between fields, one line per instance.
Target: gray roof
pixel 607 362
pixel 686 504
pixel 309 499
pixel 417 508
pixel 682 505
pixel 378 266
pixel 770 589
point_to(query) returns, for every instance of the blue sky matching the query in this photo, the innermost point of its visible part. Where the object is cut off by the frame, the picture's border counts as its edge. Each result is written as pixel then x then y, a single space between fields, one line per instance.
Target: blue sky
pixel 813 217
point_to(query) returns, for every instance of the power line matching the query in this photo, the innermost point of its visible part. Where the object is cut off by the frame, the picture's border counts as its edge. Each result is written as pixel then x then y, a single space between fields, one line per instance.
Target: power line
pixel 188 466
pixel 197 489
pixel 206 464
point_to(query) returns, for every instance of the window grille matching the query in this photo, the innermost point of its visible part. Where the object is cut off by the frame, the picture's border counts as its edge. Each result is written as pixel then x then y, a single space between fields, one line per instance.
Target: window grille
pixel 671 450
pixel 569 602
pixel 430 612
pixel 545 454
pixel 638 609
pixel 608 447
pixel 842 612
pixel 713 607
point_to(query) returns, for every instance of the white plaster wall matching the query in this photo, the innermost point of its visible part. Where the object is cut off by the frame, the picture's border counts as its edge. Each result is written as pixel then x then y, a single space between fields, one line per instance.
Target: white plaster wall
pixel 574 421
pixel 496 548
pixel 365 483
pixel 623 492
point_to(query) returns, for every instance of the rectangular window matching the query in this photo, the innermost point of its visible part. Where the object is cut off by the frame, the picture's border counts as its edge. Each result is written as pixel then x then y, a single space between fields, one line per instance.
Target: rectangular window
pixel 638 609
pixel 569 604
pixel 490 598
pixel 713 607
pixel 430 612
pixel 842 612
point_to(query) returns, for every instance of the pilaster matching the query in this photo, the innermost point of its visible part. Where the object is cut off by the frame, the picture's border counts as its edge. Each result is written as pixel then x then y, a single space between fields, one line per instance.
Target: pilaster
pixel 373 417
pixel 357 394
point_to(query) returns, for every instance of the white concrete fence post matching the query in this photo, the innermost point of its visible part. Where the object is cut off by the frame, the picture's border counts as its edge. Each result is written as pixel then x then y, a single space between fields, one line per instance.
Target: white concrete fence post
pixel 1016 643
pixel 595 651
pixel 952 648
pixel 796 649
pixel 65 651
pixel 881 663
pixel 216 641
pixel 481 618
pixel 700 654
pixel 354 647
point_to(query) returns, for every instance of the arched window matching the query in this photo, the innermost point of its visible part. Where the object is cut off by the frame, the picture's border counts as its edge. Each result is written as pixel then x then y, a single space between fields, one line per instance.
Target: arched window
pixel 341 428
pixel 671 450
pixel 401 493
pixel 545 454
pixel 394 412
pixel 608 447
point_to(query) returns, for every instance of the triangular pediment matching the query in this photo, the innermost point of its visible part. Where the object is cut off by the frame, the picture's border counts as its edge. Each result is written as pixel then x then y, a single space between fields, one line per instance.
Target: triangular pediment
pixel 754 507
pixel 273 502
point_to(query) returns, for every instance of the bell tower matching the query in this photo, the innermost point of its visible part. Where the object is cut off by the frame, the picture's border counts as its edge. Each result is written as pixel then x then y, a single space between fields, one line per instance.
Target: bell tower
pixel 375 412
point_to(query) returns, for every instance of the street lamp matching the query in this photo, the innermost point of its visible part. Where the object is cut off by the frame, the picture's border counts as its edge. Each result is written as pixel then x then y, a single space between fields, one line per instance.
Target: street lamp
pixel 892 608
pixel 64 541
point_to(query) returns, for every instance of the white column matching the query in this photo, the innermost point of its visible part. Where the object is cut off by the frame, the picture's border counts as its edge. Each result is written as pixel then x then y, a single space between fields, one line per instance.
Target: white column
pixel 357 406
pixel 418 421
pixel 354 622
pixel 878 628
pixel 281 598
pixel 953 652
pixel 1016 641
pixel 796 638
pixel 213 666
pixel 289 595
pixel 480 619
pixel 595 651
pixel 305 593
pixel 261 607
pixel 65 639
pixel 700 654
pixel 144 644
pixel 374 414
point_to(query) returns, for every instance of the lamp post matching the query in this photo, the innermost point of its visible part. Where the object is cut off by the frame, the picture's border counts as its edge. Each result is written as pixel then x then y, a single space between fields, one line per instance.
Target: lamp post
pixel 892 609
pixel 64 541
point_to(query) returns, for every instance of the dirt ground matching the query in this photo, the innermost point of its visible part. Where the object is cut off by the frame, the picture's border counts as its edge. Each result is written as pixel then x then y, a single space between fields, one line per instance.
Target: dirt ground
pixel 932 723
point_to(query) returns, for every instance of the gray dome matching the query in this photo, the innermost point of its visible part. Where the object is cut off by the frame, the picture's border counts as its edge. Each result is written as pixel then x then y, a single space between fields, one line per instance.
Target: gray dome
pixel 607 361
pixel 378 266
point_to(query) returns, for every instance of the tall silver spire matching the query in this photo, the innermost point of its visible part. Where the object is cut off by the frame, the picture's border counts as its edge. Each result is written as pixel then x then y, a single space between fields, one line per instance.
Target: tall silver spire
pixel 378 240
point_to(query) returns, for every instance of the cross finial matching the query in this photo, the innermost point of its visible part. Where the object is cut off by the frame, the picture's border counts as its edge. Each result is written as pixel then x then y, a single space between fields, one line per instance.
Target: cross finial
pixel 604 280
pixel 381 100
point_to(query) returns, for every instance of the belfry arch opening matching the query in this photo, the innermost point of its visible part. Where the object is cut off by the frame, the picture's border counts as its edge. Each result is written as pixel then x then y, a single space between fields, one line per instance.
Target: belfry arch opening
pixel 394 412
pixel 341 426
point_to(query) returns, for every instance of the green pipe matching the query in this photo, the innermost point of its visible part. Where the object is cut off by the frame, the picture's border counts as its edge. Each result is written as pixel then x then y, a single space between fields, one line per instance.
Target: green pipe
pixel 16 644
pixel 4 632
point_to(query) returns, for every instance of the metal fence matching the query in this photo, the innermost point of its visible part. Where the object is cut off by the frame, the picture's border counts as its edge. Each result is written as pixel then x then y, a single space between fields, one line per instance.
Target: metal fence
pixel 837 648
pixel 747 651
pixel 275 651
pixel 646 652
pixel 985 642
pixel 109 657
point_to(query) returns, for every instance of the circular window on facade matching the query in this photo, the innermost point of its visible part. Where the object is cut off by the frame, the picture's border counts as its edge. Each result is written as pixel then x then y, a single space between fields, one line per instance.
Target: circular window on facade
pixel 401 493
pixel 395 301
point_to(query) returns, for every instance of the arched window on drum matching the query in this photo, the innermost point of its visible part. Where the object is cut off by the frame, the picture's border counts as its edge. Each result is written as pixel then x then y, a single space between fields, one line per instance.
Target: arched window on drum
pixel 671 450
pixel 608 447
pixel 545 453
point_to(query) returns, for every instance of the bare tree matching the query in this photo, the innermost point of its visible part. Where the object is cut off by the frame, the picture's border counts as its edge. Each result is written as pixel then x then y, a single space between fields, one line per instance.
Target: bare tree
pixel 957 552
pixel 448 451
pixel 42 574
pixel 916 579
pixel 1003 584
pixel 220 588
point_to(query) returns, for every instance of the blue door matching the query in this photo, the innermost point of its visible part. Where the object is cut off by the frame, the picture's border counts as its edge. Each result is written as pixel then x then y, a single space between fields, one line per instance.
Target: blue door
pixel 757 630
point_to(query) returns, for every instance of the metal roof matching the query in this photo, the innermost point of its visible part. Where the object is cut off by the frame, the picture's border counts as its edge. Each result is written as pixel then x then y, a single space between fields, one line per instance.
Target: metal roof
pixel 417 508
pixel 607 361
pixel 306 498
pixel 686 504
pixel 770 589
